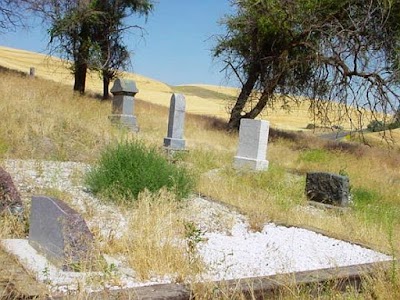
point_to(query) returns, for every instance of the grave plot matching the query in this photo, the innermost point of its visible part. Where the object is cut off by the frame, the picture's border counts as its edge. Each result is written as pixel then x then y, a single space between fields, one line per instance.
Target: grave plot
pixel 230 250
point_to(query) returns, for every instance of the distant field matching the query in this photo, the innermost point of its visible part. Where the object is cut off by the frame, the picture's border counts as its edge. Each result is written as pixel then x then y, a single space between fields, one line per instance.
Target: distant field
pixel 201 99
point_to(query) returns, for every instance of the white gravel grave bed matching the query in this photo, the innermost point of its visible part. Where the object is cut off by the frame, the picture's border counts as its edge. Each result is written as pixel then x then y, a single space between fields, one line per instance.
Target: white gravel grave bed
pixel 232 254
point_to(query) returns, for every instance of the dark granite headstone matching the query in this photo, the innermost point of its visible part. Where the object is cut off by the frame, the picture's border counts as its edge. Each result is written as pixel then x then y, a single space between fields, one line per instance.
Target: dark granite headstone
pixel 327 188
pixel 123 105
pixel 10 198
pixel 60 234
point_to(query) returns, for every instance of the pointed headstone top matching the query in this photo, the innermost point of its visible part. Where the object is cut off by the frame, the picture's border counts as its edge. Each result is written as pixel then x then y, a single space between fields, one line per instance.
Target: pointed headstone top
pixel 125 87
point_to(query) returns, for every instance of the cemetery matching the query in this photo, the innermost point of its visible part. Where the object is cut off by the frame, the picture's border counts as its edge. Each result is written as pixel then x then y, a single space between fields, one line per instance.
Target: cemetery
pixel 247 227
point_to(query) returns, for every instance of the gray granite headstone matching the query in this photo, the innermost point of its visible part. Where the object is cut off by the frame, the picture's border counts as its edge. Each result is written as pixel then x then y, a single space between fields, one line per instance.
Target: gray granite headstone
pixel 253 142
pixel 60 234
pixel 176 122
pixel 327 188
pixel 123 104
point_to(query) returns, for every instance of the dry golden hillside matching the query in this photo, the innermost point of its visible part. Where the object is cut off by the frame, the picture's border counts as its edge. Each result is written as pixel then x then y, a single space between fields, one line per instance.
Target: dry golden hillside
pixel 48 67
pixel 201 99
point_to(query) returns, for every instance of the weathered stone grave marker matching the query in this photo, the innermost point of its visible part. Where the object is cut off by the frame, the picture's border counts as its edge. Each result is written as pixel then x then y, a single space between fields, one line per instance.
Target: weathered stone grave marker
pixel 60 234
pixel 10 198
pixel 176 121
pixel 32 72
pixel 123 105
pixel 327 188
pixel 253 142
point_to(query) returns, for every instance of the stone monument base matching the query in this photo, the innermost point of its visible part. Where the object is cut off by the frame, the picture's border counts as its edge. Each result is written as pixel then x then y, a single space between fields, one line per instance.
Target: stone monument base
pixel 125 120
pixel 174 144
pixel 250 164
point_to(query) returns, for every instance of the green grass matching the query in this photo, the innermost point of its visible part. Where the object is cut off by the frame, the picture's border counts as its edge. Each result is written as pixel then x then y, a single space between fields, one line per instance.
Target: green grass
pixel 315 156
pixel 126 169
pixel 363 196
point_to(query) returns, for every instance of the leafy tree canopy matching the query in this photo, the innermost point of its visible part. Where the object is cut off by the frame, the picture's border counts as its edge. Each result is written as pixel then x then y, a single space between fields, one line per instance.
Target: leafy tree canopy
pixel 343 51
pixel 90 33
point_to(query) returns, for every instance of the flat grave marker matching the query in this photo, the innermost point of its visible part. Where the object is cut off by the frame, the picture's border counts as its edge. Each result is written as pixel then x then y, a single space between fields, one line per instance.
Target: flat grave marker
pixel 60 234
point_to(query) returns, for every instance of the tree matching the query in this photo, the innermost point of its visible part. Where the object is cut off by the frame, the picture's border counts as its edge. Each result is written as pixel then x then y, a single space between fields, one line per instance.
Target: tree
pixel 89 32
pixel 71 26
pixel 330 51
pixel 113 54
pixel 10 15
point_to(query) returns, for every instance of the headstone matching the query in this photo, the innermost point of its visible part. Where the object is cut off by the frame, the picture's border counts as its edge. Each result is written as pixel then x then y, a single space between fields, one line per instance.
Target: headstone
pixel 32 72
pixel 10 198
pixel 327 188
pixel 176 121
pixel 60 234
pixel 123 105
pixel 253 142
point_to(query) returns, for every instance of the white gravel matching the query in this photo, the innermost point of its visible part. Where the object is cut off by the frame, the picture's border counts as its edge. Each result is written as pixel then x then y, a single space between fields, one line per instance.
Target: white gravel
pixel 228 254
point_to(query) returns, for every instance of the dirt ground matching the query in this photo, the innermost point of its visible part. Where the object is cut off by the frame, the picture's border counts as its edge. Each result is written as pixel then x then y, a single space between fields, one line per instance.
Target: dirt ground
pixel 15 282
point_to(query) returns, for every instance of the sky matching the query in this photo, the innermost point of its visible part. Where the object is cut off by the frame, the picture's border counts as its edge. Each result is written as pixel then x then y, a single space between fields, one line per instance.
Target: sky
pixel 176 48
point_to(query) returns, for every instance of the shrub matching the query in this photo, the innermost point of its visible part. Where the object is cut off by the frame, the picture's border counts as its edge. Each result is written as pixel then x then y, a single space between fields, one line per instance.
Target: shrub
pixel 126 169
pixel 394 125
pixel 375 126
pixel 314 156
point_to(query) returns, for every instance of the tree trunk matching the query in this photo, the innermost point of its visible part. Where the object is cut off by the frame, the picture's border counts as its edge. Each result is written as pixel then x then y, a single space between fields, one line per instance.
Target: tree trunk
pixel 236 112
pixel 106 84
pixel 264 98
pixel 81 59
pixel 80 76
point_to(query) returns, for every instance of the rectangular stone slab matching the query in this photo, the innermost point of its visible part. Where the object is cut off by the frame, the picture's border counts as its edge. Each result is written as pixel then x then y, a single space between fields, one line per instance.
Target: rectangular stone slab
pixel 252 149
pixel 60 234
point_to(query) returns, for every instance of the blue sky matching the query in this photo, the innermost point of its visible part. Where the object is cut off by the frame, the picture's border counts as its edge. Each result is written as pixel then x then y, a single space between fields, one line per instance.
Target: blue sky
pixel 175 49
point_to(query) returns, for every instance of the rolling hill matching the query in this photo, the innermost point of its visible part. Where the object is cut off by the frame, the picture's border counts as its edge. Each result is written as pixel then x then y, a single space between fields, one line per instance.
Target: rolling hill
pixel 201 99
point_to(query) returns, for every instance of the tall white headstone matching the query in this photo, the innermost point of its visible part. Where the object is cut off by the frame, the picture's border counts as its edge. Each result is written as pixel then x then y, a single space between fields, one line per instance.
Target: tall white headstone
pixel 253 142
pixel 176 122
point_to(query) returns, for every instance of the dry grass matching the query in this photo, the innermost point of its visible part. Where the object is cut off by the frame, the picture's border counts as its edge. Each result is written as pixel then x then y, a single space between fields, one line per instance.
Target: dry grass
pixel 154 243
pixel 200 99
pixel 47 121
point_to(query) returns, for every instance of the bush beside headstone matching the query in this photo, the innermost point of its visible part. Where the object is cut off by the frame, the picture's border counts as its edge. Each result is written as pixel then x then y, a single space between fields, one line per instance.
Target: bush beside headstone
pixel 124 170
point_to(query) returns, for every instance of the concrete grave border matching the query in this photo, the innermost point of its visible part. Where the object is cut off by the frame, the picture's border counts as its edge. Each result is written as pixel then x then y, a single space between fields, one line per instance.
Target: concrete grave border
pixel 257 287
